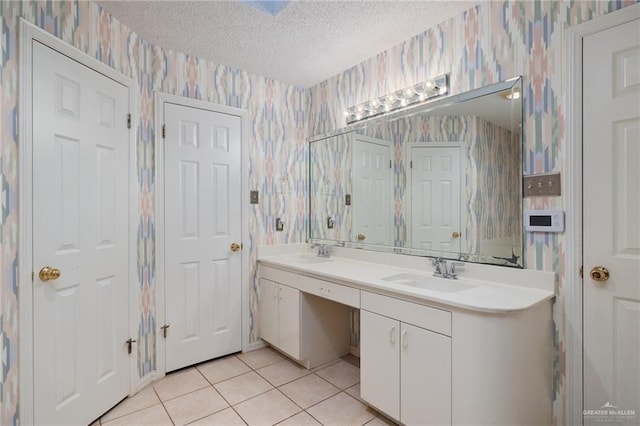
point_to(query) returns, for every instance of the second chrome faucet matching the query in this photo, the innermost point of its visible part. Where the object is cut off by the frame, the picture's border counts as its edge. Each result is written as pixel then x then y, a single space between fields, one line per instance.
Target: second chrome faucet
pixel 445 269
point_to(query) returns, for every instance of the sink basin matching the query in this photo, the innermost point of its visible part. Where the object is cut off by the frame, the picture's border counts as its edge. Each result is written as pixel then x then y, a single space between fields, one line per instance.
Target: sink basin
pixel 428 282
pixel 308 258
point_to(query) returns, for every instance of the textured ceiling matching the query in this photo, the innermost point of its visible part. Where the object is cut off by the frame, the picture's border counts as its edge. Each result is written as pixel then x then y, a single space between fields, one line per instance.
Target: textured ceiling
pixel 304 44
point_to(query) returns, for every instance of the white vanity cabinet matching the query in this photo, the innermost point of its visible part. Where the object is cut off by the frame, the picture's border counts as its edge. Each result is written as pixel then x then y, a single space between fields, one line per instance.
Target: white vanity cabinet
pixel 310 329
pixel 280 316
pixel 380 362
pixel 405 368
pixel 433 351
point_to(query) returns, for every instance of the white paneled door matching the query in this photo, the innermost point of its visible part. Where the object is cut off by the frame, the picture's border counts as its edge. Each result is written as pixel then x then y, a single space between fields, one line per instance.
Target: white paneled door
pixel 435 202
pixel 372 188
pixel 80 240
pixel 611 149
pixel 202 160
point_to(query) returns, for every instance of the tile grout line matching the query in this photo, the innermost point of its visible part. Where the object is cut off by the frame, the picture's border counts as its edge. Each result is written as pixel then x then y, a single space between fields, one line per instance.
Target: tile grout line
pixel 162 403
pixel 221 395
pixel 276 388
pixel 306 374
pixel 313 405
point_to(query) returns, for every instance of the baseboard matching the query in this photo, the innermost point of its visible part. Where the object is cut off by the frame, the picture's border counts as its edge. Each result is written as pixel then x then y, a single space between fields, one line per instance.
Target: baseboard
pixel 255 346
pixel 354 351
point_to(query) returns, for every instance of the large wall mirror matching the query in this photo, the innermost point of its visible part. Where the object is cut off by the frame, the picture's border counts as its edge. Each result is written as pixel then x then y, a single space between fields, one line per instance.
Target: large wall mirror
pixel 439 179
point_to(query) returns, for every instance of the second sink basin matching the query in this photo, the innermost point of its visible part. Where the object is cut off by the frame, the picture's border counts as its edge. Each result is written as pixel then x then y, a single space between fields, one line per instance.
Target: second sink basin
pixel 428 282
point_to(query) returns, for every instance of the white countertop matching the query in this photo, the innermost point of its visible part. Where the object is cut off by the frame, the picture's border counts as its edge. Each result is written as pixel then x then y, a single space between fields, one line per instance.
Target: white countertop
pixel 485 288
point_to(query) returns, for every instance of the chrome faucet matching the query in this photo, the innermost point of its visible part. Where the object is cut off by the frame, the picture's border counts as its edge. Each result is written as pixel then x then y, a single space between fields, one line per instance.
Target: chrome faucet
pixel 324 250
pixel 445 269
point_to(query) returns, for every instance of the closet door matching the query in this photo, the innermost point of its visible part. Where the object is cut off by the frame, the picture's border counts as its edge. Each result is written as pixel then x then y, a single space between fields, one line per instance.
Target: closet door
pixel 203 268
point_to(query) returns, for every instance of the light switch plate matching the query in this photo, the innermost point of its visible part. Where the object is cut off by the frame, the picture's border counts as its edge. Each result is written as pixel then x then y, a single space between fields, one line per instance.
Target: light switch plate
pixel 330 222
pixel 541 185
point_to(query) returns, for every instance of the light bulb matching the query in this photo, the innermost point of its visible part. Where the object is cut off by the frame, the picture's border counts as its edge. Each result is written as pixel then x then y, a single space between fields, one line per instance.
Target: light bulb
pixel 513 95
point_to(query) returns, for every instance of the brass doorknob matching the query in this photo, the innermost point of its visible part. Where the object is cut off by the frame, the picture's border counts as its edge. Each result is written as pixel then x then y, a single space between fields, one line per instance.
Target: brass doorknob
pixel 360 237
pixel 600 273
pixel 235 247
pixel 47 274
pixel 455 234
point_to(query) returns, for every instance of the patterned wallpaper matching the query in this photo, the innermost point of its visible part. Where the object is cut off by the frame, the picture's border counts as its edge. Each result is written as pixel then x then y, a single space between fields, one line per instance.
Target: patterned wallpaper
pixel 489 43
pixel 329 181
pixel 276 147
pixel 496 154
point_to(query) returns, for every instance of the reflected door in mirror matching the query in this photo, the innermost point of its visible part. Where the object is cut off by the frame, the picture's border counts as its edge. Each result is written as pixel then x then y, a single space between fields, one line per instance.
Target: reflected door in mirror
pixel 372 195
pixel 435 199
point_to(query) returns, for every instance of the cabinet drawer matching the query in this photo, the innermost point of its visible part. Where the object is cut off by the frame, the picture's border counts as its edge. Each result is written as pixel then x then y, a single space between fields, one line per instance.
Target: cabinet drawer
pixel 412 313
pixel 336 292
pixel 279 276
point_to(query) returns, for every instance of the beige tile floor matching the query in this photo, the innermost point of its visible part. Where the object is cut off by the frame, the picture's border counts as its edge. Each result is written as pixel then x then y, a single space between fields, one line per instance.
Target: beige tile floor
pixel 256 388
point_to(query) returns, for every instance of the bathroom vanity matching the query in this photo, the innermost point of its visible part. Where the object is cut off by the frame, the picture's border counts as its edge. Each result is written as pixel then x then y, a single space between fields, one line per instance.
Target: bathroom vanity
pixel 472 350
pixel 441 179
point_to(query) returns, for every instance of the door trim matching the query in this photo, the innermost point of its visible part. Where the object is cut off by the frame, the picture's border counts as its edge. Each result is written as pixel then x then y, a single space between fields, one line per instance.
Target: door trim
pixel 572 290
pixel 28 35
pixel 160 100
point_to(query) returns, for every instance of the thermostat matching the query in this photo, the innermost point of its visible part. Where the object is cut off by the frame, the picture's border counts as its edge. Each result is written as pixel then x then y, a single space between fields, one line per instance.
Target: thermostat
pixel 544 220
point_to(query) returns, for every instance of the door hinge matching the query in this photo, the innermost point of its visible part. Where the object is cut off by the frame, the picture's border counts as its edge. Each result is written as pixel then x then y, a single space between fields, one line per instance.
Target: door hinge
pixel 389 163
pixel 129 121
pixel 130 343
pixel 411 164
pixel 581 271
pixel 164 131
pixel 33 276
pixel 164 330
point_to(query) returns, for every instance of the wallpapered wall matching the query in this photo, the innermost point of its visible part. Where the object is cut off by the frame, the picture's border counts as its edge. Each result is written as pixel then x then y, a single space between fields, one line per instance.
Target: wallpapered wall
pixel 330 181
pixel 492 42
pixel 276 146
pixel 487 44
pixel 496 210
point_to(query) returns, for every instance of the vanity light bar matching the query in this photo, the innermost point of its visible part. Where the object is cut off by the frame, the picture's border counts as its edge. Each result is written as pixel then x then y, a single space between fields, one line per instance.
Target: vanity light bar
pixel 414 94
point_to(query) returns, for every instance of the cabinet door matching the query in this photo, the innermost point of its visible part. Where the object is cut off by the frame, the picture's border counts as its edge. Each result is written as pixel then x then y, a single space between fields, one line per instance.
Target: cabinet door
pixel 269 311
pixel 380 362
pixel 289 321
pixel 425 377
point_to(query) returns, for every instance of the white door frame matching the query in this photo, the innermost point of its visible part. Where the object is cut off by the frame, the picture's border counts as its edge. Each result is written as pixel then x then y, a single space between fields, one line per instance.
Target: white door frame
pixel 28 34
pixel 409 190
pixel 572 290
pixel 160 99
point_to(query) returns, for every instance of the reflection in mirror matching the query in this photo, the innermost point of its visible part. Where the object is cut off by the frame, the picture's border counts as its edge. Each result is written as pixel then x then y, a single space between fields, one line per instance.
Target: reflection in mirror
pixel 440 179
pixel 372 190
